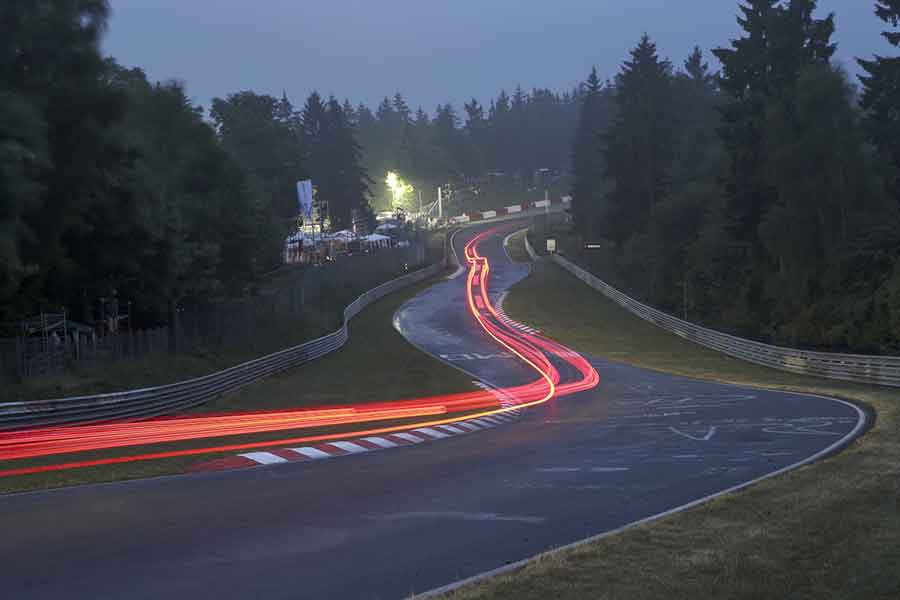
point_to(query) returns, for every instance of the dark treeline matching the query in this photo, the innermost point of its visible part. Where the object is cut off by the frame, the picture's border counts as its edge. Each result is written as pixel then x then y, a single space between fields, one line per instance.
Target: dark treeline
pixel 515 135
pixel 114 184
pixel 762 199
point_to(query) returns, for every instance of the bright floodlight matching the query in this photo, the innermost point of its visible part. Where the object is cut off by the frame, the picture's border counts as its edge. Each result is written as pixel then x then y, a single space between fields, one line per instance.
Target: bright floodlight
pixel 399 188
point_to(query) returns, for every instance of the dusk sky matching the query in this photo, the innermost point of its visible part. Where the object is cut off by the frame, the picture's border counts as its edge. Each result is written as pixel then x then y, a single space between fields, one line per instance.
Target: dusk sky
pixel 431 51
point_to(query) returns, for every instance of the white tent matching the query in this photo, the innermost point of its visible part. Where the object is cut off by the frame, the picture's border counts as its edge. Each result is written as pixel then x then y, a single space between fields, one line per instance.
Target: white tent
pixel 376 237
pixel 376 240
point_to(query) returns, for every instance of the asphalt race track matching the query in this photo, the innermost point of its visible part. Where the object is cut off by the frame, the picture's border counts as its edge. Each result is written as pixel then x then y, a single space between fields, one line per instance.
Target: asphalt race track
pixel 388 524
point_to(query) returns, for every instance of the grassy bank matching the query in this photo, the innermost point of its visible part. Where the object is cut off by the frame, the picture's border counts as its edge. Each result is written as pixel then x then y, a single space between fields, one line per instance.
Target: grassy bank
pixel 830 530
pixel 321 313
pixel 376 364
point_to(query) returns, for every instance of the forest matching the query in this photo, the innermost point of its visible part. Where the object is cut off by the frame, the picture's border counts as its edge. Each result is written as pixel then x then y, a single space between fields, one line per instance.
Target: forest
pixel 114 184
pixel 759 196
pixel 762 199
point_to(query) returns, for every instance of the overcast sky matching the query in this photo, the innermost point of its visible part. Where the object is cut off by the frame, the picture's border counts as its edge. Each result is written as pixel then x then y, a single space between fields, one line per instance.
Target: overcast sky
pixel 431 50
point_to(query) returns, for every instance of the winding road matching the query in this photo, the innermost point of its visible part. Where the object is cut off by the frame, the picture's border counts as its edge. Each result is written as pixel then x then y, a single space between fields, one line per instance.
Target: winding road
pixel 390 524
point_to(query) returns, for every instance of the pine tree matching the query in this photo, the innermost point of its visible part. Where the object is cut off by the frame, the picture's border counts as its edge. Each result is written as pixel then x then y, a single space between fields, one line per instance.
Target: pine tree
pixel 881 92
pixel 401 108
pixel 314 141
pixel 63 153
pixel 640 142
pixel 760 68
pixel 476 138
pixel 521 143
pixel 345 183
pixel 350 112
pixel 696 98
pixel 587 157
pixel 447 138
pixel 500 125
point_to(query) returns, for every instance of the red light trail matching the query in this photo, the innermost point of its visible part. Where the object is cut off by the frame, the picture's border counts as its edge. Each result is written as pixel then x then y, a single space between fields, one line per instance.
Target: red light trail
pixel 530 348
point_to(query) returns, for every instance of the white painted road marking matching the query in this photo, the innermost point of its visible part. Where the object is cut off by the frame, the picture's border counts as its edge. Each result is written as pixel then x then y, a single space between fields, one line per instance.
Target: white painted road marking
pixel 313 453
pixel 393 440
pixel 349 447
pixel 452 429
pixel 408 437
pixel 465 356
pixel 264 458
pixel 431 432
pixel 463 516
pixel 379 441
pixel 705 438
pixel 579 469
pixel 791 429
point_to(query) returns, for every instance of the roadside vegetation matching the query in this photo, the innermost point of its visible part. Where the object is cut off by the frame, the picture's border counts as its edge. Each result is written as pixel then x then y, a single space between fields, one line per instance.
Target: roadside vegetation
pixel 376 364
pixel 321 314
pixel 765 196
pixel 829 530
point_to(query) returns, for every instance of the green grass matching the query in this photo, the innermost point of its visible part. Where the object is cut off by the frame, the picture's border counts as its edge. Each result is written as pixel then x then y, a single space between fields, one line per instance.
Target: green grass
pixel 829 530
pixel 376 364
pixel 515 247
pixel 315 320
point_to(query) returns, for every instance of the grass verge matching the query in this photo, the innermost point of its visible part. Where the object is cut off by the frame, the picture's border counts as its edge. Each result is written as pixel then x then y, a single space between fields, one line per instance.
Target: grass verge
pixel 829 530
pixel 376 364
pixel 321 314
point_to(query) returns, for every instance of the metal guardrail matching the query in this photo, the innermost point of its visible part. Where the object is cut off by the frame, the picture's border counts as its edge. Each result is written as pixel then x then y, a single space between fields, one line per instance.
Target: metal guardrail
pixel 858 368
pixel 159 400
pixel 529 249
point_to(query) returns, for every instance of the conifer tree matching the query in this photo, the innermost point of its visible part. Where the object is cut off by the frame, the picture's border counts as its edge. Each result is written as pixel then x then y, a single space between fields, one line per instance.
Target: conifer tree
pixel 587 157
pixel 881 92
pixel 640 142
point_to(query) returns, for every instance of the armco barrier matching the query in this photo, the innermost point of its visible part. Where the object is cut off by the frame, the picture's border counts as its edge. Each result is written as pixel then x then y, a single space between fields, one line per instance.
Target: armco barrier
pixel 528 248
pixel 880 370
pixel 154 401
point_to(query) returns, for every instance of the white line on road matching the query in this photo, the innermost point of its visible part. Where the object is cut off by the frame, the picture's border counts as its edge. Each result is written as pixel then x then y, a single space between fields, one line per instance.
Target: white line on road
pixel 265 458
pixel 862 419
pixel 408 437
pixel 431 432
pixel 379 441
pixel 451 429
pixel 313 453
pixel 704 438
pixel 349 447
pixel 559 470
pixel 463 516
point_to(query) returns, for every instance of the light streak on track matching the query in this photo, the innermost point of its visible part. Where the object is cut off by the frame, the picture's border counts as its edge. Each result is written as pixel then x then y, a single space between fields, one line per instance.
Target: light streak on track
pixel 533 349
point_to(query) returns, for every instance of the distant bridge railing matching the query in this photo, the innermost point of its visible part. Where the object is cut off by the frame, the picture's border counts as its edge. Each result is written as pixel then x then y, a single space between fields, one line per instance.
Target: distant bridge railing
pixel 159 400
pixel 858 368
